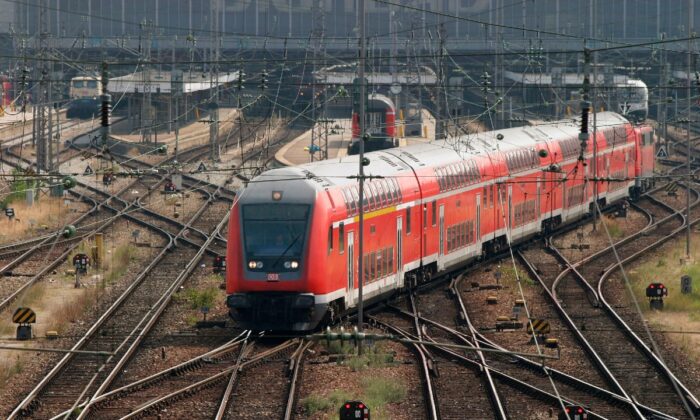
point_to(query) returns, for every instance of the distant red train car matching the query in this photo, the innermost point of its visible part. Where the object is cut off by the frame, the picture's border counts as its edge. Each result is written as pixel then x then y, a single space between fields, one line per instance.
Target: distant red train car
pixel 293 232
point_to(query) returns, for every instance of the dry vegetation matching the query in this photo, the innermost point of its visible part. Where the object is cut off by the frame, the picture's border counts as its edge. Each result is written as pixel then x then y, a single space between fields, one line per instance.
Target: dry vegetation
pixel 48 213
pixel 681 312
pixel 59 304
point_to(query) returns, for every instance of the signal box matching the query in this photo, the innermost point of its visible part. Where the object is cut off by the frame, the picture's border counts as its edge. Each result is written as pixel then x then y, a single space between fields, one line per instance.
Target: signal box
pixel 574 412
pixel 353 410
pixel 81 263
pixel 657 290
pixel 219 265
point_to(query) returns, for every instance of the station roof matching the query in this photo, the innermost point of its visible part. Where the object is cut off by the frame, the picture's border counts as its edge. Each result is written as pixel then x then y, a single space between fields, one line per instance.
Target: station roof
pixel 164 82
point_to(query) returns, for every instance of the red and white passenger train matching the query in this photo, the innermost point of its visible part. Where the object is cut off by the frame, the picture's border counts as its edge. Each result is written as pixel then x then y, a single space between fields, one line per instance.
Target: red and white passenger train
pixel 430 208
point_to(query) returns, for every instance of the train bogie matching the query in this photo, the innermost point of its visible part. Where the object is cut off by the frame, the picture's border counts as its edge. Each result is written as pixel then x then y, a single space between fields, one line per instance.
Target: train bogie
pixel 294 234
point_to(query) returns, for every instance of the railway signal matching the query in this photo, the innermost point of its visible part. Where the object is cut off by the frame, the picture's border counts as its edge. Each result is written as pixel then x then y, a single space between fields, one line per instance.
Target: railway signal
pixel 574 412
pixel 686 285
pixel 352 410
pixel 656 293
pixel 220 264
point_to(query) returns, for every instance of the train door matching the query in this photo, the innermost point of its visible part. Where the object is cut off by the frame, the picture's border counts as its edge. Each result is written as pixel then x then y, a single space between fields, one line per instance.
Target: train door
pixel 350 291
pixel 510 212
pixel 538 202
pixel 478 221
pixel 399 250
pixel 441 250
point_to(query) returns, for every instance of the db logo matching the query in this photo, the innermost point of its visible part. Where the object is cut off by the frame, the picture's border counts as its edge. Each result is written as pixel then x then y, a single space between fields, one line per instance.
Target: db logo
pixel 273 277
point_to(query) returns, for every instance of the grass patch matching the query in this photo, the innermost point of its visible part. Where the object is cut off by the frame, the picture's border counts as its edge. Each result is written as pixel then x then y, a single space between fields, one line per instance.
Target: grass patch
pixel 316 404
pixel 377 393
pixel 205 298
pixel 661 271
pixel 509 276
pixel 375 356
pixel 117 265
pixel 613 226
pixel 8 369
pixel 73 310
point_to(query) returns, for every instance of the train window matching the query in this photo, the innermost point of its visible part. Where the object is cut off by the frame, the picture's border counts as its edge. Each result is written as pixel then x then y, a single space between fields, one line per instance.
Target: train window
pixel 383 192
pixel 369 193
pixel 459 174
pixel 365 268
pixel 373 265
pixel 464 173
pixel 425 215
pixel 408 220
pixel 390 260
pixel 341 237
pixel 434 212
pixel 348 199
pixel 456 176
pixel 92 84
pixel 356 198
pixel 379 266
pixel 484 197
pixel 387 191
pixel 391 192
pixel 366 200
pixel 78 83
pixel 330 239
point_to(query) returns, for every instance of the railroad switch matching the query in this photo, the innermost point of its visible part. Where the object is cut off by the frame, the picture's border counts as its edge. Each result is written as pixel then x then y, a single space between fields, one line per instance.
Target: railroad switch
pixel 507 323
pixel 551 343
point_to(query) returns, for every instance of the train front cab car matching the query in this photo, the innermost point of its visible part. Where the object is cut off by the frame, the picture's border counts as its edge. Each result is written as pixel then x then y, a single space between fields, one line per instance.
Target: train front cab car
pixel 428 209
pixel 268 275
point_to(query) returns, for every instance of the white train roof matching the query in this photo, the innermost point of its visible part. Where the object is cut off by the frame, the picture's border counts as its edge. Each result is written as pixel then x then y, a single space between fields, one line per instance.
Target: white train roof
pixel 392 162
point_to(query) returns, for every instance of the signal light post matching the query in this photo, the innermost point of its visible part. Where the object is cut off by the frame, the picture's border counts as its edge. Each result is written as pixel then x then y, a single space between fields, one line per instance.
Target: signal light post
pixel 361 177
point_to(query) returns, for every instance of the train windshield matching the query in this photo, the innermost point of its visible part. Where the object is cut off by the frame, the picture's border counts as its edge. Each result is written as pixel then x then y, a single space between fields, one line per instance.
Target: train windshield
pixel 275 230
pixel 632 94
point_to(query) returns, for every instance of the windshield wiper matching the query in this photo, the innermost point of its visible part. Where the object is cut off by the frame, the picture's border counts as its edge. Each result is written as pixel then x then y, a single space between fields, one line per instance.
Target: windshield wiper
pixel 286 250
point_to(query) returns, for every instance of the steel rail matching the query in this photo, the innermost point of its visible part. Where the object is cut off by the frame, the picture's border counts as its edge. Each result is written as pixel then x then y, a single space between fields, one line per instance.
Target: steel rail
pixel 212 380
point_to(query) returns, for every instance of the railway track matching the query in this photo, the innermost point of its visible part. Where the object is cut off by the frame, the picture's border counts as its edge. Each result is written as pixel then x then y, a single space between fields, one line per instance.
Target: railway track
pixel 576 288
pixel 54 393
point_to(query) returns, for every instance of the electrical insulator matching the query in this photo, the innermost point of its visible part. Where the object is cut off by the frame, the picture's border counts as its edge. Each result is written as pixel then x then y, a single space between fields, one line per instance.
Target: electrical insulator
pixel 263 80
pixel 239 82
pixel 105 110
pixel 585 109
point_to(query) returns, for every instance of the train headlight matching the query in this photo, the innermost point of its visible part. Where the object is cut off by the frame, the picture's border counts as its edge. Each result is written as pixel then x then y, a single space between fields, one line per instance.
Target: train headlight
pixel 259 265
pixel 287 265
pixel 255 264
pixel 251 265
pixel 294 265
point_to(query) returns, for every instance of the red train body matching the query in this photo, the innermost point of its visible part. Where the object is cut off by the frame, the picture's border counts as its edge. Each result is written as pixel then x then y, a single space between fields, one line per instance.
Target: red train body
pixel 432 208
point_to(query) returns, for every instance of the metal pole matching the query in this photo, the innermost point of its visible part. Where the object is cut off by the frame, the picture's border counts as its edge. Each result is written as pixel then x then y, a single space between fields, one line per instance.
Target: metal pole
pixel 594 103
pixel 361 178
pixel 690 174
